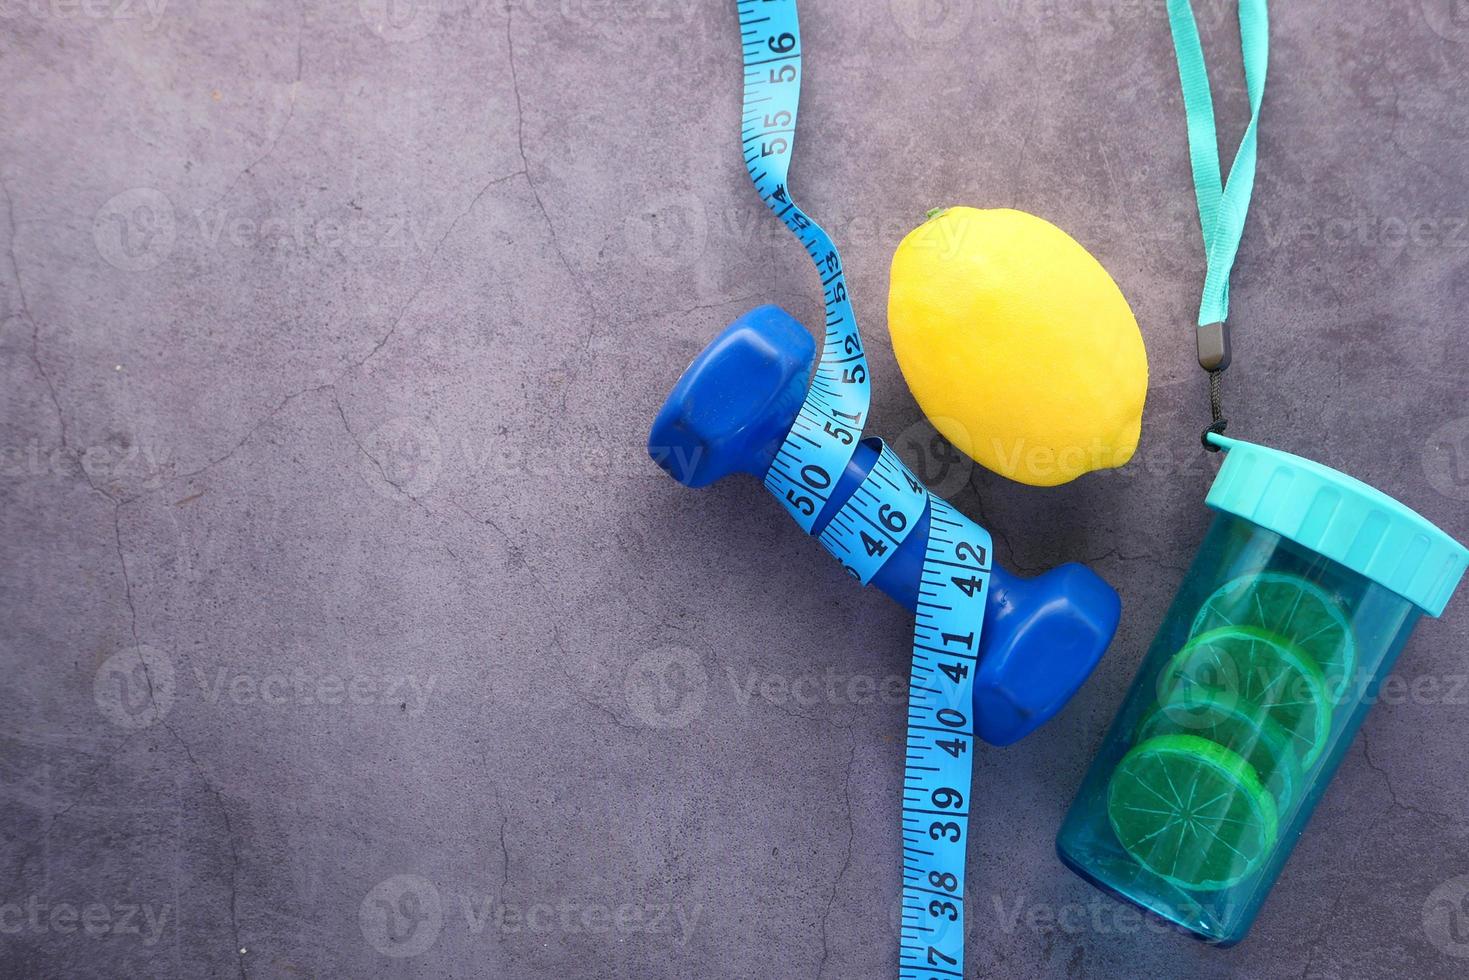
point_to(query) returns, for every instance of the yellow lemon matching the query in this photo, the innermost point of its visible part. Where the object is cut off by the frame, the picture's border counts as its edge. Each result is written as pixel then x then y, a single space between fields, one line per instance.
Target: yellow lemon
pixel 1017 345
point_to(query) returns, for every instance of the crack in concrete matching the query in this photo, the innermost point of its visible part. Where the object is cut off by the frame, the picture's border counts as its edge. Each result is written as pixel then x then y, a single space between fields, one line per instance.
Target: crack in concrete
pixel 1331 912
pixel 290 113
pixel 1115 553
pixel 525 167
pixel 250 432
pixel 378 345
pixel 717 304
pixel 35 352
pixel 997 532
pixel 127 582
pixel 512 548
pixel 96 774
pixel 360 362
pixel 513 551
pixel 846 860
pixel 541 204
pixel 597 706
pixel 428 269
pixel 1365 840
pixel 790 712
pixel 198 769
pixel 504 848
pixel 88 785
pixel 229 831
pixel 1397 803
pixel 25 313
pixel 576 692
pixel 377 463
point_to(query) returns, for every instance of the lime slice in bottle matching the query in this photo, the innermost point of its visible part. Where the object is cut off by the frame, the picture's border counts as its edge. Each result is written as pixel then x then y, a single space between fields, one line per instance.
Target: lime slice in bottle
pixel 1257 670
pixel 1294 608
pixel 1237 725
pixel 1192 812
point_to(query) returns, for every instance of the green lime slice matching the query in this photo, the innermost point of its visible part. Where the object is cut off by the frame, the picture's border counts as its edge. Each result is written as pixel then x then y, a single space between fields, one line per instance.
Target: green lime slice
pixel 1288 606
pixel 1242 664
pixel 1191 812
pixel 1240 727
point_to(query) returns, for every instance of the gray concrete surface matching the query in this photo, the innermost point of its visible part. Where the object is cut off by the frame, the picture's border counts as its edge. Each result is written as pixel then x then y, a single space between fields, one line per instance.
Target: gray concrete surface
pixel 344 620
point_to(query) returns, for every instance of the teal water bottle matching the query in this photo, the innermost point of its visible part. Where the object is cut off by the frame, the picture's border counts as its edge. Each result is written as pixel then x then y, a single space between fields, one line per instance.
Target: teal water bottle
pixel 1298 604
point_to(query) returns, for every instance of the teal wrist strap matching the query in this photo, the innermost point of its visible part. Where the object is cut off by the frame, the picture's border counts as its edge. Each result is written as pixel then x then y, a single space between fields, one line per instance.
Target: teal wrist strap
pixel 1223 207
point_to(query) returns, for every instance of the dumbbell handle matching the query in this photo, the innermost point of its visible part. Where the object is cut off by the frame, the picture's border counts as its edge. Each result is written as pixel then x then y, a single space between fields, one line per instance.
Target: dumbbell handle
pixel 899 576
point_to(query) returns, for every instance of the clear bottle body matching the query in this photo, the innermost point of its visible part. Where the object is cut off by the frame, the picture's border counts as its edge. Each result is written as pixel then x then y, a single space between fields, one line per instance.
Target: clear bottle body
pixel 1264 667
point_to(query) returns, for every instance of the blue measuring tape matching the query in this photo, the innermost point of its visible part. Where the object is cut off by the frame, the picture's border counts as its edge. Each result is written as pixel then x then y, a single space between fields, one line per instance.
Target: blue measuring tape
pixel 874 522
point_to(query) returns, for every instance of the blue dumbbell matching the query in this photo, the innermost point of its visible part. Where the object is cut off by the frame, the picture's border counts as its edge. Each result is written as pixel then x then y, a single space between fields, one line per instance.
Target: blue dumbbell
pixel 730 413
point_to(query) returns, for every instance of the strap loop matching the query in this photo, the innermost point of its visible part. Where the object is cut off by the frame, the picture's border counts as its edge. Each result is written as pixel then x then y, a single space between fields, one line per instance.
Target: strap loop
pixel 1223 207
pixel 1216 408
